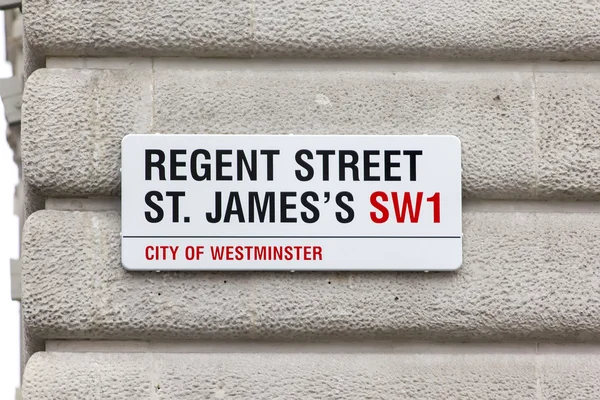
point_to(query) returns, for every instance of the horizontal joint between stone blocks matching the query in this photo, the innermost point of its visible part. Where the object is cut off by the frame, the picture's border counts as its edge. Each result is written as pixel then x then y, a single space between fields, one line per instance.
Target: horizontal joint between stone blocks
pixel 324 347
pixel 83 204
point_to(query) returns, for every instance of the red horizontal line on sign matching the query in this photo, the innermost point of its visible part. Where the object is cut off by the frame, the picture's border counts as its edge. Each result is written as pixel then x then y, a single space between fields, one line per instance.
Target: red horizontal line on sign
pixel 292 237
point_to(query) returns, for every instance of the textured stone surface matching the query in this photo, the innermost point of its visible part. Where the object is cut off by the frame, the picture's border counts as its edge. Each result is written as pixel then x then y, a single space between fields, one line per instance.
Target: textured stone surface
pixel 508 29
pixel 569 124
pixel 203 28
pixel 33 201
pixel 489 112
pixel 525 276
pixel 88 376
pixel 570 375
pixel 74 121
pixel 269 376
pixel 51 376
pixel 71 135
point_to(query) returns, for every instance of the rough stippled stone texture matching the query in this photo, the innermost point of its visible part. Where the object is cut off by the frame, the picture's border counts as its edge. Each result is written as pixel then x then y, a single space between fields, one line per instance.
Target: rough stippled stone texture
pixel 529 130
pixel 569 114
pixel 491 29
pixel 520 138
pixel 570 376
pixel 525 277
pixel 91 376
pixel 73 27
pixel 58 376
pixel 337 102
pixel 81 114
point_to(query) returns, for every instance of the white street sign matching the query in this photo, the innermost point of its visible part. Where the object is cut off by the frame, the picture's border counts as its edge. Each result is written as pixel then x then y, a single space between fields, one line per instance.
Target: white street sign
pixel 319 203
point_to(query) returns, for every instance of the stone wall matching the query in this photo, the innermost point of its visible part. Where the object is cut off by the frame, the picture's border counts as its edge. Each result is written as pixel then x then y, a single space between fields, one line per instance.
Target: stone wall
pixel 516 81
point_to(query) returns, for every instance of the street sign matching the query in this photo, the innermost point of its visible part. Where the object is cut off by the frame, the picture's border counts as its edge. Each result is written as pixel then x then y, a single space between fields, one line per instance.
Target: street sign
pixel 287 202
